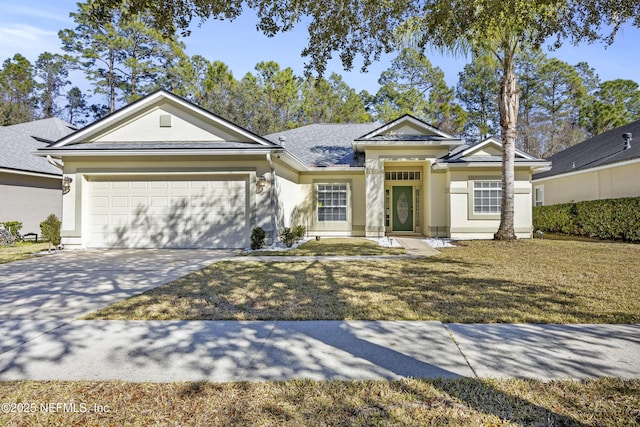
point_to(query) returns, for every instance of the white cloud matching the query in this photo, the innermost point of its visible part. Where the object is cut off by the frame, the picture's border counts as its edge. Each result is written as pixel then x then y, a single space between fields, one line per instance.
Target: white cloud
pixel 42 12
pixel 27 40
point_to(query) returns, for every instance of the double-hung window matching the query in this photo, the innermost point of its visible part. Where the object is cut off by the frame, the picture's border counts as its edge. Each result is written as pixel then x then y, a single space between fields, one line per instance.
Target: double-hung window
pixel 332 202
pixel 539 196
pixel 487 197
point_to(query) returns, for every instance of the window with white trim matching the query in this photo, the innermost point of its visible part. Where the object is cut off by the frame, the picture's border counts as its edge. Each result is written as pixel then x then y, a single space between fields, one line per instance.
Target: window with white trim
pixel 539 196
pixel 332 202
pixel 402 175
pixel 487 197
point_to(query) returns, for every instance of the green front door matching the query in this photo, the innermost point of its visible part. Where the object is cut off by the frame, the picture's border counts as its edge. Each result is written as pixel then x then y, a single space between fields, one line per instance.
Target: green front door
pixel 402 208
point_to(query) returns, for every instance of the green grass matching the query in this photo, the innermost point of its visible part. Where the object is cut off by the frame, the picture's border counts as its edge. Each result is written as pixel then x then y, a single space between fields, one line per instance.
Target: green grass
pixel 334 247
pixel 410 402
pixel 20 250
pixel 528 281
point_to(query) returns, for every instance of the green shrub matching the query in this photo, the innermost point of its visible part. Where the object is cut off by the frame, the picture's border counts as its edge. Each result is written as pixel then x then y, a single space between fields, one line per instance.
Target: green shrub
pixel 299 231
pixel 616 219
pixel 289 236
pixel 258 237
pixel 50 229
pixel 14 227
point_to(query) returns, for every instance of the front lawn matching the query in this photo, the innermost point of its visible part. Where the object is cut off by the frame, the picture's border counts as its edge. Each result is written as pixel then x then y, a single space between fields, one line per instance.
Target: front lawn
pixel 334 247
pixel 21 250
pixel 528 281
pixel 409 402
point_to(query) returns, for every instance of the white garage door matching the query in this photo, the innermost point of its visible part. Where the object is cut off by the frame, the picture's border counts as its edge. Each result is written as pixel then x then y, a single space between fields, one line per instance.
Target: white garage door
pixel 161 213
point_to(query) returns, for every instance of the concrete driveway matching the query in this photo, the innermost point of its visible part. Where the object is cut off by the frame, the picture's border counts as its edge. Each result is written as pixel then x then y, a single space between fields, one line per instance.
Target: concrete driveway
pixel 43 293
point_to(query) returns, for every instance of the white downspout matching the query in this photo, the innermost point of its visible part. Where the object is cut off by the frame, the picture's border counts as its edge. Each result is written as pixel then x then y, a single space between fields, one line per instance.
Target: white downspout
pixel 55 162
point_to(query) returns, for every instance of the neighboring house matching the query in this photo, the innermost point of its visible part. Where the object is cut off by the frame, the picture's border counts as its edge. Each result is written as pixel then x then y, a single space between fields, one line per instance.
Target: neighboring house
pixel 606 166
pixel 30 187
pixel 163 172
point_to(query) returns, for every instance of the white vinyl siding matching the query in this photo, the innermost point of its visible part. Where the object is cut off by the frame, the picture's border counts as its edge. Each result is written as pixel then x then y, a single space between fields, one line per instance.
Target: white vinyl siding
pixel 332 202
pixel 486 197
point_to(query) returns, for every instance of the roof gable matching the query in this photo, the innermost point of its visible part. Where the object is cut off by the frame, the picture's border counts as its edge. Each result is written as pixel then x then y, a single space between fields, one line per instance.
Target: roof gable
pixel 160 119
pixel 491 147
pixel 405 128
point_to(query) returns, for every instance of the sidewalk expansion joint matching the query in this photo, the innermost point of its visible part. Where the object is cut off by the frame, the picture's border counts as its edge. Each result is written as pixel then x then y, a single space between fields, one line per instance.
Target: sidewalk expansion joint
pixel 453 338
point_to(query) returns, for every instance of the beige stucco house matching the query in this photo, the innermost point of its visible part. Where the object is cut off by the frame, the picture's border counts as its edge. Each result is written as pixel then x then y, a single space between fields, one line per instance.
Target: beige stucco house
pixel 163 172
pixel 606 166
pixel 30 186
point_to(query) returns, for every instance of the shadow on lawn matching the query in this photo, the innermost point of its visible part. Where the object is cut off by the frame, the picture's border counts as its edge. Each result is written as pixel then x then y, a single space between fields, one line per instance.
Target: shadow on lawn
pixel 232 351
pixel 238 351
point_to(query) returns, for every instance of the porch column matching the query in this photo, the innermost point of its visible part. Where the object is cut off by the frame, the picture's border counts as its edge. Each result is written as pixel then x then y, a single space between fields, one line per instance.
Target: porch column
pixel 374 176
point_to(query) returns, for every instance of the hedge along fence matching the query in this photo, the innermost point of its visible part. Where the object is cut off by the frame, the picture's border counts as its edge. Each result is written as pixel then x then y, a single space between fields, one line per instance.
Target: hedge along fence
pixel 617 219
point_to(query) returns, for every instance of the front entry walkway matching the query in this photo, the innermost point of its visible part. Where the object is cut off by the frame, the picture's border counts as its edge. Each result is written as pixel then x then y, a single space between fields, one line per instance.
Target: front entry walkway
pixel 416 246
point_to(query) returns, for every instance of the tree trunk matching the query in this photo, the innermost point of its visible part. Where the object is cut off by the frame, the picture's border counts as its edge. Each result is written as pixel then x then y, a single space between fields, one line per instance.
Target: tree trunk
pixel 509 100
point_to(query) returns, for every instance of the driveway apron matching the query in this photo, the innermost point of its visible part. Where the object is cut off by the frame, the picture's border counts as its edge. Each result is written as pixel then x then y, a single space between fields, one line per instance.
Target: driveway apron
pixel 43 293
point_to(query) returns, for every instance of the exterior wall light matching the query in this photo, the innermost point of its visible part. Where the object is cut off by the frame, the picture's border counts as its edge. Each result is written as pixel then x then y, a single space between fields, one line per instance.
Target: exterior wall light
pixel 66 184
pixel 261 183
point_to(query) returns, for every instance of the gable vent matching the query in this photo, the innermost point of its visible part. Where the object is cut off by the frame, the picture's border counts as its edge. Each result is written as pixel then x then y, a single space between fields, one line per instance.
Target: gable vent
pixel 165 121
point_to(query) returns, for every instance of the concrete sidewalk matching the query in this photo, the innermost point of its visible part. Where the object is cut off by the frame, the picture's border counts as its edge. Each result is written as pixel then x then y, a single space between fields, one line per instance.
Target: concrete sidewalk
pixel 161 351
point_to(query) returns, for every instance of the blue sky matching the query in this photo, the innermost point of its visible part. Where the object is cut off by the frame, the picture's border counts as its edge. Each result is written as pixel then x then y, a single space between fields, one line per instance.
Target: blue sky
pixel 30 27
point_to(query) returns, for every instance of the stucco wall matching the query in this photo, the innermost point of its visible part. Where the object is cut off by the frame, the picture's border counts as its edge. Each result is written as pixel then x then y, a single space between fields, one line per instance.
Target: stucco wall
pixel 606 183
pixel 29 199
pixel 183 126
pixel 305 211
pixel 467 225
pixel 438 204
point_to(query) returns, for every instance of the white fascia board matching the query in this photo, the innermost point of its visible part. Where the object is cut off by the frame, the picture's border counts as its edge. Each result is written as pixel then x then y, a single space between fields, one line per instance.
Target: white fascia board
pixel 594 169
pixel 360 145
pixel 30 173
pixel 300 166
pixel 406 118
pixel 337 169
pixel 293 161
pixel 494 141
pixel 172 173
pixel 532 165
pixel 163 152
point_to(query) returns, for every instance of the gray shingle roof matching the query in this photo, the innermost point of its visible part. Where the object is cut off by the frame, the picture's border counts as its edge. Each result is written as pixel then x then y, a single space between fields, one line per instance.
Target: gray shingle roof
pixel 15 153
pixel 325 144
pixel 51 129
pixel 604 149
pixel 17 142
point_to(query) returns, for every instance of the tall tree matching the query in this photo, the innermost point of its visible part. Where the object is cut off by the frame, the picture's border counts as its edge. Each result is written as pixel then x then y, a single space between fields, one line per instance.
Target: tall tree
pixel 76 109
pixel 17 91
pixel 614 103
pixel 330 101
pixel 529 63
pixel 53 71
pixel 477 90
pixel 412 85
pixel 501 28
pixel 218 90
pixel 95 44
pixel 122 54
pixel 560 97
